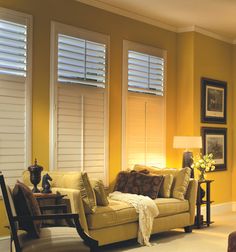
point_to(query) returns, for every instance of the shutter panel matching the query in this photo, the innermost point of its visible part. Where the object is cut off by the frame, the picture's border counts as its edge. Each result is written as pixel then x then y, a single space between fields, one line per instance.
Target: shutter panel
pixel 13 48
pixel 12 128
pixel 81 61
pixel 155 132
pixel 145 131
pixel 80 130
pixel 13 100
pixel 135 132
pixel 145 73
pixel 94 134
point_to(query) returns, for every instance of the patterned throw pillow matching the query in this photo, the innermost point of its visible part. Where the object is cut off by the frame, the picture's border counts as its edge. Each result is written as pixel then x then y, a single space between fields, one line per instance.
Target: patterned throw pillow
pixel 87 193
pixel 27 205
pixel 142 184
pixel 181 182
pixel 165 190
pixel 100 193
pixel 121 181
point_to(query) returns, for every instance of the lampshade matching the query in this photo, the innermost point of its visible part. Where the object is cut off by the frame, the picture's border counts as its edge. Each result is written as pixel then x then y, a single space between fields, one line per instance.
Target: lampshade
pixel 187 142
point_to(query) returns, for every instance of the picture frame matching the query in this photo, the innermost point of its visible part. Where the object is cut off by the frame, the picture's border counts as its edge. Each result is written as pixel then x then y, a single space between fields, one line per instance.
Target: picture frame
pixel 213 101
pixel 215 142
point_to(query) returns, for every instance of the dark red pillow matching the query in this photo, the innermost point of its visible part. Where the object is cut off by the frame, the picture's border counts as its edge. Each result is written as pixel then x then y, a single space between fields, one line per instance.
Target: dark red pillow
pixel 143 184
pixel 27 205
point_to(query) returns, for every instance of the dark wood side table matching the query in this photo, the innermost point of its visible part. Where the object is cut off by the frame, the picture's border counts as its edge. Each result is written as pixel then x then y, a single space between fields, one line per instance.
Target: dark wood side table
pixel 199 221
pixel 51 202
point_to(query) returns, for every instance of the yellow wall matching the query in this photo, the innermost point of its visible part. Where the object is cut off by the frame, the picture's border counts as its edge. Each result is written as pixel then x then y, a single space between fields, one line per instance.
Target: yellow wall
pixel 202 56
pixel 119 28
pixel 185 82
pixel 213 59
pixel 189 56
pixel 234 123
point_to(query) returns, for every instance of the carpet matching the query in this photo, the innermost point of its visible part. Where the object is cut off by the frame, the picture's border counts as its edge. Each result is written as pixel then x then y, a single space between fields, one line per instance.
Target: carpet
pixel 211 239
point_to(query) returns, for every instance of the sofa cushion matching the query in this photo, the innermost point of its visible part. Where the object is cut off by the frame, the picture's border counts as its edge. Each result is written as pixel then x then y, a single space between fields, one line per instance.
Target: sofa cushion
pixel 165 189
pixel 59 179
pixel 87 193
pixel 121 181
pixel 100 193
pixel 170 206
pixel 117 212
pixel 181 182
pixel 143 184
pixel 27 205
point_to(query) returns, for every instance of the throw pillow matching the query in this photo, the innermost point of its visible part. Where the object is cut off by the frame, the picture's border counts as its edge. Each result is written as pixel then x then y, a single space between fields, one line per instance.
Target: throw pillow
pixel 181 182
pixel 121 181
pixel 27 205
pixel 100 193
pixel 165 189
pixel 147 185
pixel 87 193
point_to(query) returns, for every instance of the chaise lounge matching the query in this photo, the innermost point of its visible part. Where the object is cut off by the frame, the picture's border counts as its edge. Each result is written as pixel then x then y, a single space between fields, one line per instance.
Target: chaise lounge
pixel 118 221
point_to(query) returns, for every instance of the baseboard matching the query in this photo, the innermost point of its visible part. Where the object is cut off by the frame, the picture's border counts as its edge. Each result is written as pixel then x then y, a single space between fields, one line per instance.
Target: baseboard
pixel 233 206
pixel 4 238
pixel 219 209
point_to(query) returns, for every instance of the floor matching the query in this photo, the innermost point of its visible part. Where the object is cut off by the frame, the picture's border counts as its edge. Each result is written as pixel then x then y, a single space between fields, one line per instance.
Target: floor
pixel 212 239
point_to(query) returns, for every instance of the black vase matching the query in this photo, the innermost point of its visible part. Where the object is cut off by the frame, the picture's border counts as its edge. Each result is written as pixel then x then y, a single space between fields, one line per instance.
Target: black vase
pixel 35 175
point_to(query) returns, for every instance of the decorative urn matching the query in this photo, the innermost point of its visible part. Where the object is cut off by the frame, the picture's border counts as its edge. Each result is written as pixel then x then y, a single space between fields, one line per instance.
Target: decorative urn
pixel 35 175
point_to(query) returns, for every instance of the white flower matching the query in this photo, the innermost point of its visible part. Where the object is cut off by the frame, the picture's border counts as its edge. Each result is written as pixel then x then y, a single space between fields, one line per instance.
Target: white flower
pixel 203 163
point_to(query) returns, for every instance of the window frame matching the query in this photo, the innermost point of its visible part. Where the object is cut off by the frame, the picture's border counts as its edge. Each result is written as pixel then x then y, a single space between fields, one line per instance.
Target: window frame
pixel 69 30
pixel 25 19
pixel 146 49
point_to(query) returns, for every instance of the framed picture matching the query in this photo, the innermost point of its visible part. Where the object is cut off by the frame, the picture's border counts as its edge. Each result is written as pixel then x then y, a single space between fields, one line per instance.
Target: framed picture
pixel 215 142
pixel 213 104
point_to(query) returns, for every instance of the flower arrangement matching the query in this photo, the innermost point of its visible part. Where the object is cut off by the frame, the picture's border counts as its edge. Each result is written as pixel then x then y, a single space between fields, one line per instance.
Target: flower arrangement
pixel 203 163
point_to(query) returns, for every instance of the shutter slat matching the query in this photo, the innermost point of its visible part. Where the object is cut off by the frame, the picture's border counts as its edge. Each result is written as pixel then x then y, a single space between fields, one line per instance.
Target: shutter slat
pixel 145 73
pixel 81 61
pixel 13 49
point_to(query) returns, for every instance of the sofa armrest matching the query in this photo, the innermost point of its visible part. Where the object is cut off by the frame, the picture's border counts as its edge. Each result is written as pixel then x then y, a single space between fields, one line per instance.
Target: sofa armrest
pixel 191 196
pixel 76 203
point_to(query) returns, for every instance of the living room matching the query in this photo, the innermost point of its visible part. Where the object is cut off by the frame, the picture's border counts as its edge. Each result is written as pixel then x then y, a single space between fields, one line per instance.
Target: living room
pixel 190 53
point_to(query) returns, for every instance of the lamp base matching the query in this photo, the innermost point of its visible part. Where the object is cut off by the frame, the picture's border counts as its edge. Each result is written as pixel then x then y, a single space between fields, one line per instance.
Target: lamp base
pixel 188 161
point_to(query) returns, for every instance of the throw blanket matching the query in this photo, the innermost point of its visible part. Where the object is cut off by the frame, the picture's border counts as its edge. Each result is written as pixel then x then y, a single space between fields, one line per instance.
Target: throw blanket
pixel 147 210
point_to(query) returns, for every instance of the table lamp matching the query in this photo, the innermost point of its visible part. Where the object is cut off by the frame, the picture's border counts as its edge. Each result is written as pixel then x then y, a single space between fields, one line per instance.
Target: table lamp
pixel 187 143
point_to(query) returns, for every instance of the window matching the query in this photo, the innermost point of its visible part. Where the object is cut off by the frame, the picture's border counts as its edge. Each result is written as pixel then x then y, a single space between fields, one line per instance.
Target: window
pixel 15 93
pixel 81 61
pixel 145 73
pixel 143 105
pixel 79 120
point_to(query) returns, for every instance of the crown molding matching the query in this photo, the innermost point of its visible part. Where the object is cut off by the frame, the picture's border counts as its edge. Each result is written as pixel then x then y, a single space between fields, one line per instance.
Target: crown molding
pixel 132 15
pixel 195 28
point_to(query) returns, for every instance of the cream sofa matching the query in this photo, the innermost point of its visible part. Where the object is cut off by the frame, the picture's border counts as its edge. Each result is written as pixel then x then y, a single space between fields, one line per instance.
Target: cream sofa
pixel 119 221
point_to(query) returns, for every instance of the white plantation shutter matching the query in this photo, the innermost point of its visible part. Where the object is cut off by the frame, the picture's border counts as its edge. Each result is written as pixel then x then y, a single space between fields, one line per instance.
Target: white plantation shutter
pixel 80 130
pixel 145 73
pixel 81 61
pixel 145 131
pixel 12 128
pixel 80 117
pixel 144 106
pixel 13 48
pixel 14 97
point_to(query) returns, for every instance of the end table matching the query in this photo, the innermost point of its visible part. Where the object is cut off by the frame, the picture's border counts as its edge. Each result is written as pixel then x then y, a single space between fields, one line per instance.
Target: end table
pixel 51 201
pixel 199 221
